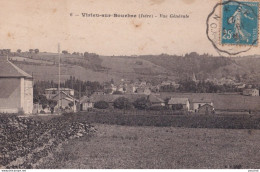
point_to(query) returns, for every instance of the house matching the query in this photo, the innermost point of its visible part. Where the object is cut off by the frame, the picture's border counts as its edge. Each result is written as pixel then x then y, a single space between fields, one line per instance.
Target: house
pixel 155 101
pixel 183 102
pixel 240 86
pixel 16 89
pixel 86 103
pixel 143 90
pixel 206 109
pixel 51 92
pixel 197 103
pixel 114 88
pixel 66 101
pixel 251 92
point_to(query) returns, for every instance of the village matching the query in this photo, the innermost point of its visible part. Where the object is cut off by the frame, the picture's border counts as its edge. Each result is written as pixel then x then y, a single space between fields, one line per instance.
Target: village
pixel 17 96
pixel 46 123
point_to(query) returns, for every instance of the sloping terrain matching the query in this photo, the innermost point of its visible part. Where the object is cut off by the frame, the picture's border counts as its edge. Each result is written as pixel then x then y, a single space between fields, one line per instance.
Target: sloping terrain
pixel 26 142
pixel 103 68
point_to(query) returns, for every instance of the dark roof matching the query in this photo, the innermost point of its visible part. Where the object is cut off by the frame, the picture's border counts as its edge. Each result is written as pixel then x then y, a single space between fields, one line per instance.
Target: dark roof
pixel 65 96
pixel 155 99
pixel 9 70
pixel 111 97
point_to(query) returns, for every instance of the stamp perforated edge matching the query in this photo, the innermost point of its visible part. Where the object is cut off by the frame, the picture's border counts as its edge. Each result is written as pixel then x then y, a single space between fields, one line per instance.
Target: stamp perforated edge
pixel 220 28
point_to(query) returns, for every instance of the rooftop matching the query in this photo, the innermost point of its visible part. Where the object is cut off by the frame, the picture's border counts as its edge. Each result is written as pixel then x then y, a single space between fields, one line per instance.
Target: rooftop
pixel 9 70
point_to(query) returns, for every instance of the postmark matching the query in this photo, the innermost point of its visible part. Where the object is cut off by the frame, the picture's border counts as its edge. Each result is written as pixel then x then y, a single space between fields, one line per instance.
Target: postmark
pixel 233 26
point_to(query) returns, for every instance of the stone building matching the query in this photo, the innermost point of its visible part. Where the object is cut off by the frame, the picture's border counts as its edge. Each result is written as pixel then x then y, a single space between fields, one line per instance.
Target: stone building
pixel 16 89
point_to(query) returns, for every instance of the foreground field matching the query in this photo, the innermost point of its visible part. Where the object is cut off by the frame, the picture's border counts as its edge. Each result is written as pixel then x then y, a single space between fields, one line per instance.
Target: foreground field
pixel 116 146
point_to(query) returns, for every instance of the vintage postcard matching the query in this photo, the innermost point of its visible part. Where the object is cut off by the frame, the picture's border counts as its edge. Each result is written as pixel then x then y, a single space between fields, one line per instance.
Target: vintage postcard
pixel 128 84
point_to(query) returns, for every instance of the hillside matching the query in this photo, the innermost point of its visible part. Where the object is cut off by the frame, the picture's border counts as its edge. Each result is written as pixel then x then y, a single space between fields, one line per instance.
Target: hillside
pixel 92 67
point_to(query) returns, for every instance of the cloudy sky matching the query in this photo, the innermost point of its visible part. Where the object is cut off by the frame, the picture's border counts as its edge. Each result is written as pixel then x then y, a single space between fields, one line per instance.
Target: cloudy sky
pixel 42 24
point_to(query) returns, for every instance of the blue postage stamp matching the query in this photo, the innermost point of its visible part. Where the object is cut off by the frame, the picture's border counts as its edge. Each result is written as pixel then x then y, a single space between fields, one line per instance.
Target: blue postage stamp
pixel 240 22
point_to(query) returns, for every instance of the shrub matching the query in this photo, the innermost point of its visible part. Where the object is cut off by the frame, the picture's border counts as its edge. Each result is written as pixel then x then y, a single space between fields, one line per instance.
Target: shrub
pixel 142 103
pixel 101 105
pixel 118 92
pixel 42 112
pixel 177 107
pixel 122 103
pixel 158 108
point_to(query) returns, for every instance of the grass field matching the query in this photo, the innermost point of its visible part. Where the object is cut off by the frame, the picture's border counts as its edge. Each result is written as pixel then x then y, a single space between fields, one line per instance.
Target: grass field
pixel 221 121
pixel 116 146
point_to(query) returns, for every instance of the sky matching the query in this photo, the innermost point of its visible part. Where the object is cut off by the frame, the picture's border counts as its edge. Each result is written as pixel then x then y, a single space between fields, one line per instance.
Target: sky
pixel 42 24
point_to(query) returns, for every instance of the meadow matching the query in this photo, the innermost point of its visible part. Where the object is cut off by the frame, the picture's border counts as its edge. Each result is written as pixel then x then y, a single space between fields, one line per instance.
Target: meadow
pixel 135 147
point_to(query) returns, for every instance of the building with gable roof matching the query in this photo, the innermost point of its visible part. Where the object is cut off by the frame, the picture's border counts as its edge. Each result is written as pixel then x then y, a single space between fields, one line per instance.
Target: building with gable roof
pixel 184 102
pixel 66 101
pixel 16 89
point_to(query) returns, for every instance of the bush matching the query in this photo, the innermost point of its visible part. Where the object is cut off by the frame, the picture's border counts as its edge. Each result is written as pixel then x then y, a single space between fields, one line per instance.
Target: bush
pixel 101 105
pixel 142 103
pixel 122 103
pixel 118 93
pixel 158 108
pixel 177 107
pixel 42 112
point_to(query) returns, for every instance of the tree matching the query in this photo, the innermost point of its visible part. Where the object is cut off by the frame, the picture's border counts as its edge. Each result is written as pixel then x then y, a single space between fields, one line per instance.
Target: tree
pixel 18 50
pixel 86 54
pixel 118 92
pixel 101 105
pixel 52 103
pixel 30 50
pixel 142 103
pixel 166 101
pixel 42 100
pixel 36 51
pixel 177 107
pixel 71 104
pixel 108 91
pixel 64 52
pixel 122 103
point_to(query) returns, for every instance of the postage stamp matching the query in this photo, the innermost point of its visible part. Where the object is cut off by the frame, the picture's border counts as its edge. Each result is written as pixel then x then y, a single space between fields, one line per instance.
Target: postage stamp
pixel 240 22
pixel 233 26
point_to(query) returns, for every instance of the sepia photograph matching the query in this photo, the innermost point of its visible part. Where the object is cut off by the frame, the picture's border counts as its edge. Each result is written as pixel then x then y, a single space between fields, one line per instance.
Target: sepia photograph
pixel 128 84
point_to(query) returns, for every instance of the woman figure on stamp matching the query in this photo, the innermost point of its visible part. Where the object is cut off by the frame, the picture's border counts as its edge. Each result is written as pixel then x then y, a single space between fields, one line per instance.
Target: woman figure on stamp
pixel 236 18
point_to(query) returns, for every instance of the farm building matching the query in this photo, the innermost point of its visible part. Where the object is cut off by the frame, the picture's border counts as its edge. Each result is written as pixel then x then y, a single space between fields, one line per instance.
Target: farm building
pixel 66 101
pixel 206 109
pixel 156 101
pixel 145 91
pixel 222 101
pixel 51 92
pixel 16 89
pixel 197 103
pixel 184 102
pixel 88 102
pixel 251 92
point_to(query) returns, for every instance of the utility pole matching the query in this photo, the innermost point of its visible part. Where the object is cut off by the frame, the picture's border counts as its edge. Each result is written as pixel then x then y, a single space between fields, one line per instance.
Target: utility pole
pixel 59 80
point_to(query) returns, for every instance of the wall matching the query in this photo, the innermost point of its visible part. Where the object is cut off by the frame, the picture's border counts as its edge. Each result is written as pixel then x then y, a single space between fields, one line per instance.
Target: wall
pixel 28 95
pixel 196 105
pixel 10 95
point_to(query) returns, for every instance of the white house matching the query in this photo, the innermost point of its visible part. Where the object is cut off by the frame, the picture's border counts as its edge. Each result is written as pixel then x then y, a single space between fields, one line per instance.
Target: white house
pixel 179 101
pixel 251 92
pixel 198 103
pixel 16 89
pixel 66 101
